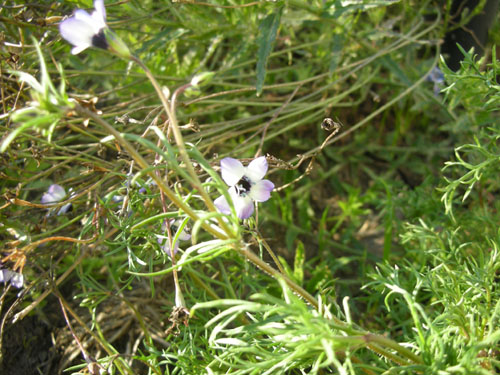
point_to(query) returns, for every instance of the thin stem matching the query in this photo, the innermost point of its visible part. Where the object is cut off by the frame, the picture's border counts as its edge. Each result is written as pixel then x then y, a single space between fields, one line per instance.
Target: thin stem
pixel 304 5
pixel 20 315
pixel 204 285
pixel 108 348
pixel 387 354
pixel 252 257
pixel 179 299
pixel 374 342
pixel 381 340
pixel 90 361
pixel 271 253
pixel 174 125
pixel 145 166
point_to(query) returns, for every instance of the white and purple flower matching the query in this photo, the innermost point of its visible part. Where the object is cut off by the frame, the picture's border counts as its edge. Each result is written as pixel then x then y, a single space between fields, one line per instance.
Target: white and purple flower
pixel 16 279
pixel 54 194
pixel 246 186
pixel 437 77
pixel 175 227
pixel 85 30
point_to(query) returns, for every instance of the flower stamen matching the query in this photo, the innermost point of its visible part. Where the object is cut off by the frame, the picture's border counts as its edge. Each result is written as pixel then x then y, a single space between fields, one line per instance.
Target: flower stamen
pixel 243 186
pixel 99 40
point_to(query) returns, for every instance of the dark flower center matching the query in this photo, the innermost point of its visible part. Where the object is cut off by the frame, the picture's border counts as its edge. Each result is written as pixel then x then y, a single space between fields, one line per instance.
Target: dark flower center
pixel 99 40
pixel 243 186
pixel 173 228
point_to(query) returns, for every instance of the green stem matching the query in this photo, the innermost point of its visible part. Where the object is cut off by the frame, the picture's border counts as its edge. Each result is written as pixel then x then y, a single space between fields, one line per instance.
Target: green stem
pixel 145 166
pixel 271 253
pixel 388 343
pixel 180 141
pixel 252 257
pixel 201 283
pixel 374 342
pixel 305 6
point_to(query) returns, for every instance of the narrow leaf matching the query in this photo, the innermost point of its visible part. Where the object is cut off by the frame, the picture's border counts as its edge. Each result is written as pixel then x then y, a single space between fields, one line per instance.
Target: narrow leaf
pixel 298 264
pixel 268 31
pixel 337 46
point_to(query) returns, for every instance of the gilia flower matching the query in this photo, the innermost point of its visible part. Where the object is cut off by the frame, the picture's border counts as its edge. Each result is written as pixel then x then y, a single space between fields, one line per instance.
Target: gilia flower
pixel 85 30
pixel 436 76
pixel 56 193
pixel 246 185
pixel 174 229
pixel 16 279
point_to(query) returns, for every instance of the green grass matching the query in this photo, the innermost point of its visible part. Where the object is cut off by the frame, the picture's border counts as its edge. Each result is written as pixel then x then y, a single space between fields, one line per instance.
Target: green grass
pixel 377 252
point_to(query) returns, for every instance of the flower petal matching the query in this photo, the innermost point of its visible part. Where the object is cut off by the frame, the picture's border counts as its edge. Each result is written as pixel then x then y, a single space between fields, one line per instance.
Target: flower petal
pixel 76 50
pixel 100 12
pixel 244 206
pixel 161 239
pixel 165 246
pixel 93 22
pixel 183 236
pixel 231 170
pixel 5 275
pixel 77 32
pixel 82 15
pixel 257 169
pixel 17 280
pixel 65 209
pixel 222 205
pixel 55 193
pixel 261 191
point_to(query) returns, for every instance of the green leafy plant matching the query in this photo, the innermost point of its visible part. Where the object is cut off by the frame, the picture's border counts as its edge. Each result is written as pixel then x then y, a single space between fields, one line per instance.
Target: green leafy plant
pixel 179 258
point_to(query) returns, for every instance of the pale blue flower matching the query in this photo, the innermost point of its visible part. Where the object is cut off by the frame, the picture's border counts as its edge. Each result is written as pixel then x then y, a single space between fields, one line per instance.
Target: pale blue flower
pixel 54 194
pixel 437 77
pixel 16 279
pixel 85 30
pixel 183 235
pixel 246 186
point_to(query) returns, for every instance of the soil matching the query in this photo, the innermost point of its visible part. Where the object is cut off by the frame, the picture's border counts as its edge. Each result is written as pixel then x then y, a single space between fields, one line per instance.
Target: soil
pixel 27 347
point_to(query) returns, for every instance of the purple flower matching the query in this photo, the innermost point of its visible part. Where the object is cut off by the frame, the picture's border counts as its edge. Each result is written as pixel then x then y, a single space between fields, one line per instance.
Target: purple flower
pixel 16 279
pixel 437 77
pixel 245 186
pixel 85 30
pixel 56 193
pixel 183 235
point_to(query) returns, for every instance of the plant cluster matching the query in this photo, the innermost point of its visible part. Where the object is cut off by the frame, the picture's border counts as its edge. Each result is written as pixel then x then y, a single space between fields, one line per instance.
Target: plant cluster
pixel 249 188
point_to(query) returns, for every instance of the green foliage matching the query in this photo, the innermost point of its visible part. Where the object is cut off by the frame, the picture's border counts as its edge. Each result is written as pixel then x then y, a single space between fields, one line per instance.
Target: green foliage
pixel 268 30
pixel 282 336
pixel 368 258
pixel 478 93
pixel 48 104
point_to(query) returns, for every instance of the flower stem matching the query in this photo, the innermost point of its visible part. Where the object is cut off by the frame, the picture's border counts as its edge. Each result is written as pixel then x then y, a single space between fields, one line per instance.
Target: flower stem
pixel 145 166
pixel 374 342
pixel 377 343
pixel 252 257
pixel 174 125
pixel 388 343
